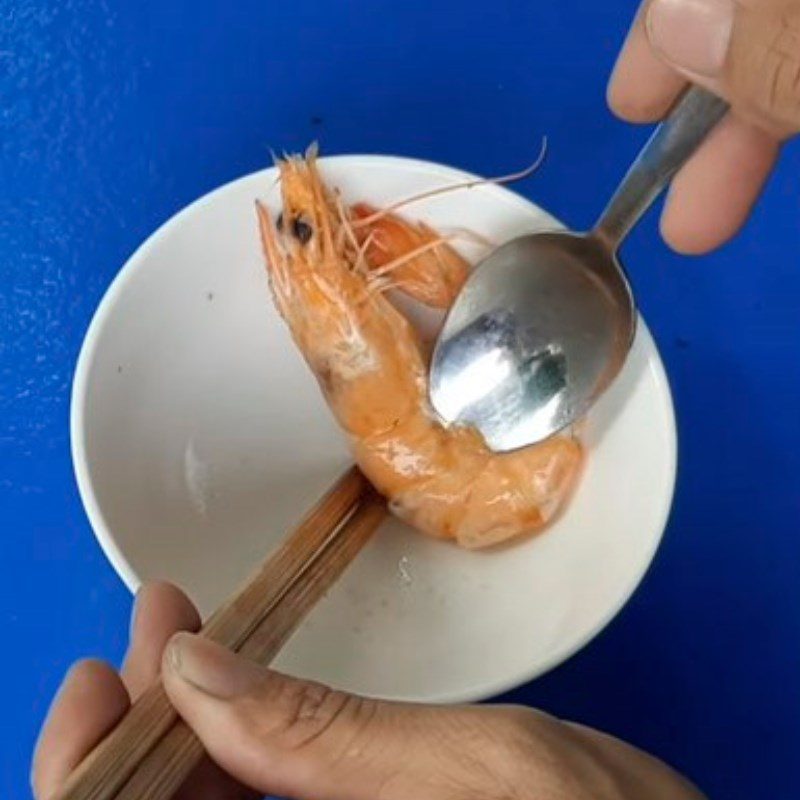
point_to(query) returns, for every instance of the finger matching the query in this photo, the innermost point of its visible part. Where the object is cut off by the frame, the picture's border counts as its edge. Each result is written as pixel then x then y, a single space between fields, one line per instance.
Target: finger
pixel 91 701
pixel 161 610
pixel 639 774
pixel 294 738
pixel 713 194
pixel 642 87
pixel 260 726
pixel 747 51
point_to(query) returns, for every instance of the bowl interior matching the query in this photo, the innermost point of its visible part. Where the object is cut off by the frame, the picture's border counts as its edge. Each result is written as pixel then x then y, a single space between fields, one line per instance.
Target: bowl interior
pixel 200 436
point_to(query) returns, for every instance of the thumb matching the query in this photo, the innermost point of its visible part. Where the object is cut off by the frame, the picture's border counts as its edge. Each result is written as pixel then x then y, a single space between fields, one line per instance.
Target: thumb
pixel 294 738
pixel 746 50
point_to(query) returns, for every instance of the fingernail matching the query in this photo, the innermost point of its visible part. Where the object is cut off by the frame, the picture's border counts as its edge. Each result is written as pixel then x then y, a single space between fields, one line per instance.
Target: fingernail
pixel 137 605
pixel 693 35
pixel 211 668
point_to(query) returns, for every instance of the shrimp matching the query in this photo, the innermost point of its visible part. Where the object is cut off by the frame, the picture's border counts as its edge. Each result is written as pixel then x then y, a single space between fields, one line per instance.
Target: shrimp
pixel 369 363
pixel 428 269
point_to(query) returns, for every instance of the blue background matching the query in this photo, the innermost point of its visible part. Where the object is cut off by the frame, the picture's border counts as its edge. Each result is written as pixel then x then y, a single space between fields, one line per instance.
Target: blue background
pixel 115 115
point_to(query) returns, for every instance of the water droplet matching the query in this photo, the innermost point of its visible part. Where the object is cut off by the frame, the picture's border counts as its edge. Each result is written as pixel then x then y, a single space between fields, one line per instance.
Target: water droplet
pixel 403 571
pixel 197 475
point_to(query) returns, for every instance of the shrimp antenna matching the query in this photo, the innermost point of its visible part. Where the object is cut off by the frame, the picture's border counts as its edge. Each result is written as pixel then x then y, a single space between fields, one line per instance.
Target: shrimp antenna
pixel 411 255
pixel 346 232
pixel 468 236
pixel 503 179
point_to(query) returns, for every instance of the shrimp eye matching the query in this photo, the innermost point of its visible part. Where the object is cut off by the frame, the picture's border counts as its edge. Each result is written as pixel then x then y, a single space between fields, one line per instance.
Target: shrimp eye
pixel 279 222
pixel 302 230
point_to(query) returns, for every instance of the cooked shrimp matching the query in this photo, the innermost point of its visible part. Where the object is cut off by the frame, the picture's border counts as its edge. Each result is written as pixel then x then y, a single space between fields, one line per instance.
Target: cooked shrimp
pixel 368 361
pixel 428 268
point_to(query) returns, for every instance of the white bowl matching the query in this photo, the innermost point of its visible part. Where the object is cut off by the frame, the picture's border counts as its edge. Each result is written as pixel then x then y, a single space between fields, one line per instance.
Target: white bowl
pixel 199 436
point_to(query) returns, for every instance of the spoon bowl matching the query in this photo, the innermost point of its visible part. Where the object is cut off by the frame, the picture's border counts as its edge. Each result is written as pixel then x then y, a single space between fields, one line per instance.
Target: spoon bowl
pixel 540 329
pixel 544 324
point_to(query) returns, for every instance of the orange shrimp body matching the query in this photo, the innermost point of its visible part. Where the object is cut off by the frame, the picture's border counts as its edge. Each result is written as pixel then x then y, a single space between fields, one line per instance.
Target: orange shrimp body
pixel 368 360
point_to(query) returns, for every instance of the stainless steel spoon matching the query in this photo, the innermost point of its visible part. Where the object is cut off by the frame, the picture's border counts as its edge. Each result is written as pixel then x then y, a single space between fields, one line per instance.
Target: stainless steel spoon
pixel 545 322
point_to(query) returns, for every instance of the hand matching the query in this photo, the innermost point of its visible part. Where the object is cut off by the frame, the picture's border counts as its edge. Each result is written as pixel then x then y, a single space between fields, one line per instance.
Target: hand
pixel 297 739
pixel 747 51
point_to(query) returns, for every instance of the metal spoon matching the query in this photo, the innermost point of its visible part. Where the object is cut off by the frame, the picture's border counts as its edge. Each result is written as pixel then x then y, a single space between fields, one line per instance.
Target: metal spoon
pixel 545 322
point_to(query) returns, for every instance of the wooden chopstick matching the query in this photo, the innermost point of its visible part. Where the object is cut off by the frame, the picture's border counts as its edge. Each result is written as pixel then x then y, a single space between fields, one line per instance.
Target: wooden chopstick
pixel 150 753
pixel 167 766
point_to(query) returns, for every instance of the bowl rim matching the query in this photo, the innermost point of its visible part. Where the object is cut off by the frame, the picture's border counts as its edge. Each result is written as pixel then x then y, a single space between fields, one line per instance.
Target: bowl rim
pixel 116 289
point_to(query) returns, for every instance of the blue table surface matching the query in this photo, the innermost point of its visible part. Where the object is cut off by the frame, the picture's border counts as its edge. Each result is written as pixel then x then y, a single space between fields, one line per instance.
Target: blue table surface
pixel 115 115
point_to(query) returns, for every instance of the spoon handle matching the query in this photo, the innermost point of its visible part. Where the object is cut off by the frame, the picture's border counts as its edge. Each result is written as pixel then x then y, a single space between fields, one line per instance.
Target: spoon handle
pixel 670 146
